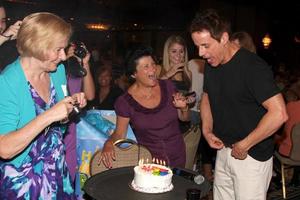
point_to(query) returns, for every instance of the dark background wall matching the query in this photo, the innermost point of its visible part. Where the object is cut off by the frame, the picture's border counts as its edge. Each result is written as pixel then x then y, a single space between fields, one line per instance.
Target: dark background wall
pixel 157 19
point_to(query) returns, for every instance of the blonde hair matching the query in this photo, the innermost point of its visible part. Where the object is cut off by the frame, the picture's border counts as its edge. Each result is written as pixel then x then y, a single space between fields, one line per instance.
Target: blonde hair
pixel 38 33
pixel 175 39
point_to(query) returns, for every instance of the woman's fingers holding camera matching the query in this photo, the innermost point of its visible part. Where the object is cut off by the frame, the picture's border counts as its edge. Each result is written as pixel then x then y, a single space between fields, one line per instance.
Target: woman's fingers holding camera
pixel 59 111
pixel 79 98
pixel 180 67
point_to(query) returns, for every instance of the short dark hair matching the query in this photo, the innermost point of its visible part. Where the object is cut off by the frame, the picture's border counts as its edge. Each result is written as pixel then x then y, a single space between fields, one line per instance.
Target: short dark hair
pixel 2 4
pixel 135 55
pixel 211 21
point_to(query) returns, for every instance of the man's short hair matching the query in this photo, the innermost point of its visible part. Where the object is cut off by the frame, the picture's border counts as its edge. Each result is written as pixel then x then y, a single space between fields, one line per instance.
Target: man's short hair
pixel 38 33
pixel 211 21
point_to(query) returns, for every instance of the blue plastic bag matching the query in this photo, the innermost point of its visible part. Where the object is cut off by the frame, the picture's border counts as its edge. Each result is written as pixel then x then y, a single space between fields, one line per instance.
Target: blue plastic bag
pixel 92 131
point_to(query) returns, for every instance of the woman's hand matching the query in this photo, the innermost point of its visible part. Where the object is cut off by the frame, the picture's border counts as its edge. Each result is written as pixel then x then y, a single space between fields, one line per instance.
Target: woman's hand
pixel 12 31
pixel 179 67
pixel 108 154
pixel 179 101
pixel 80 99
pixel 61 110
pixel 85 60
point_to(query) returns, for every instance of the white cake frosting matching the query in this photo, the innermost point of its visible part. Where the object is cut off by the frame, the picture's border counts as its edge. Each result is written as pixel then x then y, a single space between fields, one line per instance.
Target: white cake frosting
pixel 152 178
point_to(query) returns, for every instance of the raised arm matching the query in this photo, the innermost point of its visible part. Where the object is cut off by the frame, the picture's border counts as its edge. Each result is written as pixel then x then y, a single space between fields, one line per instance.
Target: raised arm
pixel 88 82
pixel 10 33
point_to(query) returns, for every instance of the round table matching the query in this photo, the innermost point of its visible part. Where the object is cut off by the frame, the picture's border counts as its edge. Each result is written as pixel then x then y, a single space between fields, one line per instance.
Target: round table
pixel 114 184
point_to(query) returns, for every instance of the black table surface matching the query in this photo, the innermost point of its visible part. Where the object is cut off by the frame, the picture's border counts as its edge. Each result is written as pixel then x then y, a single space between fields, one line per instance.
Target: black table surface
pixel 114 184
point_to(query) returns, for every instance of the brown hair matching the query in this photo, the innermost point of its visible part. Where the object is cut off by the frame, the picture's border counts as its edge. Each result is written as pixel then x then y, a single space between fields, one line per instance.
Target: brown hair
pixel 212 22
pixel 245 40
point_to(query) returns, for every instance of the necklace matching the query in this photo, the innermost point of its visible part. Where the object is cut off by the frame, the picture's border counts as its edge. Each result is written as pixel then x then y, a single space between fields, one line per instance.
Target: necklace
pixel 147 95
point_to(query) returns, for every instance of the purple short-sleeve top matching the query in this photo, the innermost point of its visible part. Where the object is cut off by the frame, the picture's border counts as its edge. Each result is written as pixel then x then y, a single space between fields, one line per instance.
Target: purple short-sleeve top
pixel 156 128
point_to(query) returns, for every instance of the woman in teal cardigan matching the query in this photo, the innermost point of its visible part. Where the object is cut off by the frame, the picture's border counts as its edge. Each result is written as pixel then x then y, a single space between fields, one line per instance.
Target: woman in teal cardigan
pixel 33 101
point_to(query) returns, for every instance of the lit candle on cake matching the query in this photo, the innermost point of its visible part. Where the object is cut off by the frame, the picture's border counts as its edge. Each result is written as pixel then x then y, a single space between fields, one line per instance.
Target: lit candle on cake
pixel 141 162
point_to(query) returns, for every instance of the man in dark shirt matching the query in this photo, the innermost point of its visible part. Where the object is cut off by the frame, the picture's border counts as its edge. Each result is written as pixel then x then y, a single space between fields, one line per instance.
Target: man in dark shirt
pixel 241 108
pixel 8 50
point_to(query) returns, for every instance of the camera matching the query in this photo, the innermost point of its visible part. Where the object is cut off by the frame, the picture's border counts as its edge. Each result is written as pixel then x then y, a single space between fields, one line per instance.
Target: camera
pixel 73 65
pixel 74 115
pixel 190 94
pixel 80 50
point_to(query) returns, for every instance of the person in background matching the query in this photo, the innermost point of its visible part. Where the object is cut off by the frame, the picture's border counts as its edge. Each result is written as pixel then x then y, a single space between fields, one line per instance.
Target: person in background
pixel 293 110
pixel 243 39
pixel 152 107
pixel 32 103
pixel 79 79
pixel 175 63
pixel 122 81
pixel 8 50
pixel 196 67
pixel 284 140
pixel 241 108
pixel 107 93
pixel 175 68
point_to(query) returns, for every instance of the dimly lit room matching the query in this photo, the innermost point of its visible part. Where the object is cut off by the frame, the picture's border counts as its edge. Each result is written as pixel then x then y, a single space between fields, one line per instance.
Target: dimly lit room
pixel 157 99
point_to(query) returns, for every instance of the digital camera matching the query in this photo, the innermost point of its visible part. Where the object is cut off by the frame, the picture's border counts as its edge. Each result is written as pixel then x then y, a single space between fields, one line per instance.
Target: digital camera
pixel 80 50
pixel 74 115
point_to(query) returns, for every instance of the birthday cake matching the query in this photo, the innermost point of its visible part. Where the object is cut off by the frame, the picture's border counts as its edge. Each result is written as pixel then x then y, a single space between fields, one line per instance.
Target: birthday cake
pixel 152 178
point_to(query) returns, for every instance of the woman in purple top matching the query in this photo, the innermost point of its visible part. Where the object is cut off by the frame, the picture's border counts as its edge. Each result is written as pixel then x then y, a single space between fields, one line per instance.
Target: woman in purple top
pixel 153 108
pixel 77 82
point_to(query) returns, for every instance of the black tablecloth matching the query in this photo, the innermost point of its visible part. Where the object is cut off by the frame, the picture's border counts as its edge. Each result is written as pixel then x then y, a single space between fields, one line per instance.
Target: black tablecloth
pixel 114 185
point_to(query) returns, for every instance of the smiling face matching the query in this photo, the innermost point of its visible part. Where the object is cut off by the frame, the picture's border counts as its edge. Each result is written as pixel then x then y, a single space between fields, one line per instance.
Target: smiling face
pixel 176 53
pixel 209 48
pixel 146 71
pixel 54 55
pixel 104 78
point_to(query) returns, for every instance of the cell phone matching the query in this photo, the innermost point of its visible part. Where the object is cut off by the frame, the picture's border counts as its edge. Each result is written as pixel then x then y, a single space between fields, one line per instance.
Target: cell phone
pixel 190 94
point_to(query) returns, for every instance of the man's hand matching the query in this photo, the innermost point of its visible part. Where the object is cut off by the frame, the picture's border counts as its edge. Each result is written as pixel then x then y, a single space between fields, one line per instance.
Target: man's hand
pixel 213 141
pixel 239 150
